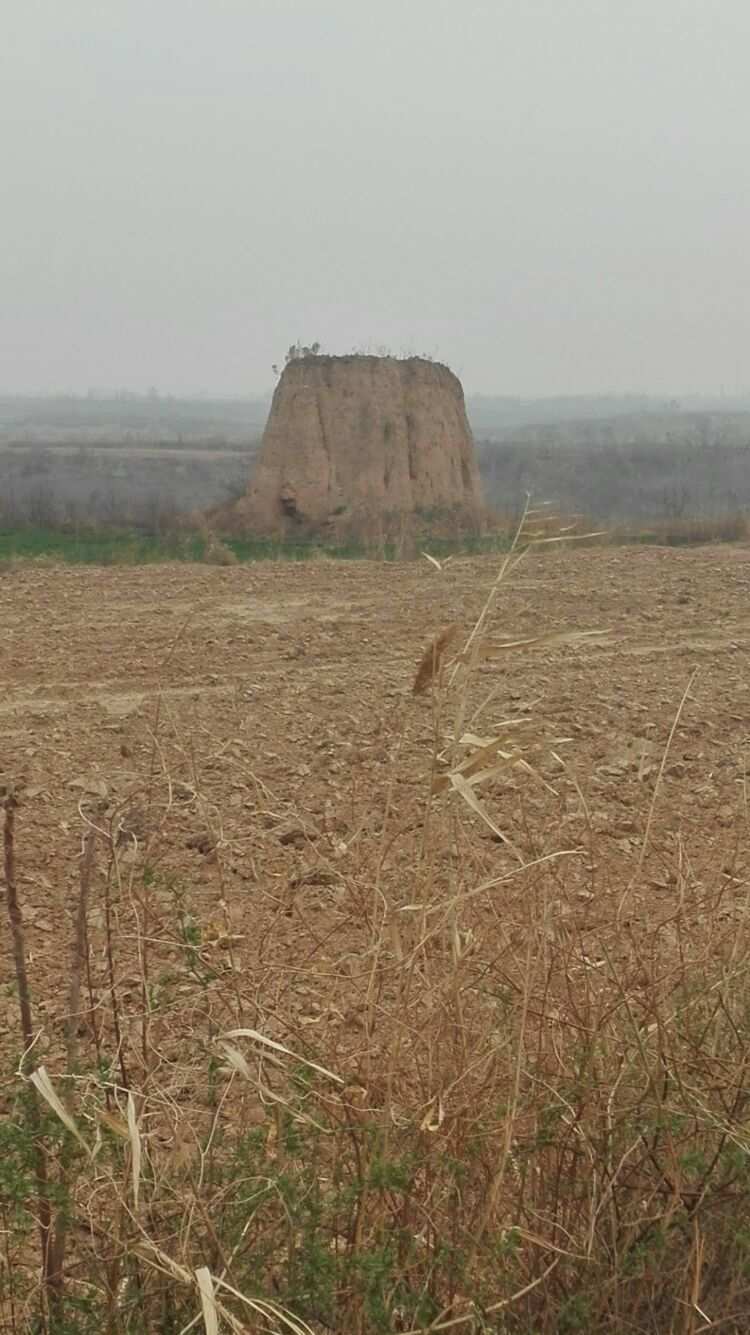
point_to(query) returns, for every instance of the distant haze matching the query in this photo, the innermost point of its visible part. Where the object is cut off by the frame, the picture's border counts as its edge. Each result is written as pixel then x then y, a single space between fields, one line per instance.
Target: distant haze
pixel 553 196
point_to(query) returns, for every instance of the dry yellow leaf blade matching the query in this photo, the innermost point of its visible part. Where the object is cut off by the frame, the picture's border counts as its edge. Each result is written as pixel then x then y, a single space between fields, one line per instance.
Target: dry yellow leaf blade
pixel 493 648
pixel 134 1136
pixel 42 1083
pixel 470 798
pixel 208 1300
pixel 434 1117
pixel 279 1047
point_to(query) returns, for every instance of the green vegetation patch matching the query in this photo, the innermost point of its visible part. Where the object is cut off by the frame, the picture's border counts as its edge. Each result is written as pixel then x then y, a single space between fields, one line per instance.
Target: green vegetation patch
pixel 98 547
pixel 109 546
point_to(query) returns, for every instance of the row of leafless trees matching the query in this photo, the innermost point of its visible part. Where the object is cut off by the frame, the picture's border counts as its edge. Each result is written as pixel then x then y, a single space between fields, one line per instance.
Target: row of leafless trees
pixel 41 506
pixel 635 482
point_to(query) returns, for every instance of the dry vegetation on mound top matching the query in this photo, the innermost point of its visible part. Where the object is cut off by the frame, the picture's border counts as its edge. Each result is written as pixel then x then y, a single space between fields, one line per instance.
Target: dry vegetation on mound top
pixel 397 1012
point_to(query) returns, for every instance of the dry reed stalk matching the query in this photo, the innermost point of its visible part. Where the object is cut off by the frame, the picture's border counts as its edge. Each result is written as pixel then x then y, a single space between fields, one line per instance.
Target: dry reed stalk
pixel 52 1278
pixel 140 909
pixel 655 795
pixel 213 821
pixel 72 1019
pixel 468 659
pixel 429 667
pixel 111 975
pixel 158 707
pixel 79 953
pixel 16 928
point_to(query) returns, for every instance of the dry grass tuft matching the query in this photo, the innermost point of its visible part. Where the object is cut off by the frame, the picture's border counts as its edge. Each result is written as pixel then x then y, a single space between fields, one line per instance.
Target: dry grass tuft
pixel 217 553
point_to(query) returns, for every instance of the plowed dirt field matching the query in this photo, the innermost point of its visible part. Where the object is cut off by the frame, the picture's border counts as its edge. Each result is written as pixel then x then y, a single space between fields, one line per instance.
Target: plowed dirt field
pixel 249 734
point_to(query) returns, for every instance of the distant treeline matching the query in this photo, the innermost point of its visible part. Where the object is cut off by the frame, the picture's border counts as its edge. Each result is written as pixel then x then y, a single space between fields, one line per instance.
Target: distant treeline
pixel 145 460
pixel 152 416
pixel 129 419
pixel 117 484
pixel 640 481
pixel 634 483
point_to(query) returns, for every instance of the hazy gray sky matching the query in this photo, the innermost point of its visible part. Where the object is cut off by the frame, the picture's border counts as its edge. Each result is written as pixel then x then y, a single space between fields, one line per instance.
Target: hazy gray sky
pixel 550 195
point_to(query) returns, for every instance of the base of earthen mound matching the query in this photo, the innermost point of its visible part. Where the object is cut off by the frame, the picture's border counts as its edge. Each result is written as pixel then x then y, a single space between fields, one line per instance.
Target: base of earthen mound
pixel 362 448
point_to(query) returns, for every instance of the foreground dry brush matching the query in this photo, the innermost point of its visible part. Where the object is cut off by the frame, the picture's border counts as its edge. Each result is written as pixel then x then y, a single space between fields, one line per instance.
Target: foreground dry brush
pixel 530 1115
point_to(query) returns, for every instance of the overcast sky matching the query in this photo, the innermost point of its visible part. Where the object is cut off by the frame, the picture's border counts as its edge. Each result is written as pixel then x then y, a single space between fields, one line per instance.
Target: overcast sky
pixel 550 195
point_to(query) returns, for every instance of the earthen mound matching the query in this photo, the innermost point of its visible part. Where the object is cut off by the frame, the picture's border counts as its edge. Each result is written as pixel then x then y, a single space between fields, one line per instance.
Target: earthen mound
pixel 352 440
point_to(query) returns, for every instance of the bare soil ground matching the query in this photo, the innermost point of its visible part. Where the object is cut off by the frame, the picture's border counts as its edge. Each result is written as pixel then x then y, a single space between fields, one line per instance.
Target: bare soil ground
pixel 254 729
pixel 279 695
